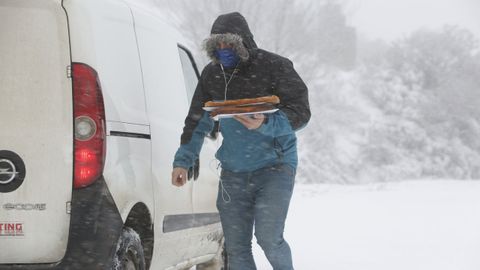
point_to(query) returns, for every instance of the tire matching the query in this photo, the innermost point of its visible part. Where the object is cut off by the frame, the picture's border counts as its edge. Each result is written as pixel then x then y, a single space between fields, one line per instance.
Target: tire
pixel 129 254
pixel 219 262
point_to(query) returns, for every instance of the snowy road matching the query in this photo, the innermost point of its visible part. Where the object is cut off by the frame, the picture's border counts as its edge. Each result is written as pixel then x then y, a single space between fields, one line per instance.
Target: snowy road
pixel 421 225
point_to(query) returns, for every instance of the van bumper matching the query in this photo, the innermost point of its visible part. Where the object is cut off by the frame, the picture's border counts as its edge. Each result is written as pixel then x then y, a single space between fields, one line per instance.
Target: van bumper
pixel 95 226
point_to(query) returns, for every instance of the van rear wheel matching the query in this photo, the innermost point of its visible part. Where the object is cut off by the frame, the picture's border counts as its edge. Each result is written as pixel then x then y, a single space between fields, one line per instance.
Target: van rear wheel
pixel 129 254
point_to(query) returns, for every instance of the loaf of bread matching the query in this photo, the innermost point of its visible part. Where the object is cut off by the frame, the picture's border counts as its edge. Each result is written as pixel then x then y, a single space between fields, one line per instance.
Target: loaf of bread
pixel 244 101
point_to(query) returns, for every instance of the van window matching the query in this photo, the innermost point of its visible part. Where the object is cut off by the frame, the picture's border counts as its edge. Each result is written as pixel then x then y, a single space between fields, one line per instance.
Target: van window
pixel 190 72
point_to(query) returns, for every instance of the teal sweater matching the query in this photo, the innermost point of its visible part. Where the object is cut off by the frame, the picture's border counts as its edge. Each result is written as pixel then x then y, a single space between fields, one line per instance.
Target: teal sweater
pixel 244 150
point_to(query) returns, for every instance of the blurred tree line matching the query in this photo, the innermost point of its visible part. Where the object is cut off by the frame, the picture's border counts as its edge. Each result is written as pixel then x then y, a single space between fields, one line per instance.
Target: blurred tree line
pixel 409 110
pixel 429 95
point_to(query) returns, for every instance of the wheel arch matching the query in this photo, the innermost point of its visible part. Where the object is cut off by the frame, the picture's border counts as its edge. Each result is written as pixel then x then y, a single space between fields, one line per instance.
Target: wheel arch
pixel 140 219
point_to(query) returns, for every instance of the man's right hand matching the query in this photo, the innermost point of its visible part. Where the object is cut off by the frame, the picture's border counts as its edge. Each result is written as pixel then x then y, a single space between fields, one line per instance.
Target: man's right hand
pixel 179 176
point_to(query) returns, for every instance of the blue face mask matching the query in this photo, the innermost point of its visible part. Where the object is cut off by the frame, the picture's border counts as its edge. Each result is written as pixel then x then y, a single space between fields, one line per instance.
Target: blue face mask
pixel 227 57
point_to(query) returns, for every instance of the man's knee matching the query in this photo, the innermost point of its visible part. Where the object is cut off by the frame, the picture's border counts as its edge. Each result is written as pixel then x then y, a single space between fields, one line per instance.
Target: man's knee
pixel 239 249
pixel 269 241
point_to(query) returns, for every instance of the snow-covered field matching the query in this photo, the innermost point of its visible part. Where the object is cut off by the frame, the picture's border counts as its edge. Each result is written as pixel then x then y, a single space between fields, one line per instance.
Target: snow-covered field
pixel 417 225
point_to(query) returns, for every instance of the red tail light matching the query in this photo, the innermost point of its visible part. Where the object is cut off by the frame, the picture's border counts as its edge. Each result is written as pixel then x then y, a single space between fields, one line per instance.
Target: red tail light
pixel 89 114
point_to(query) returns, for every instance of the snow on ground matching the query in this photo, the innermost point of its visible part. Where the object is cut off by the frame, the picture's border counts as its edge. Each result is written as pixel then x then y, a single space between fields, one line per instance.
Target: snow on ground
pixel 415 225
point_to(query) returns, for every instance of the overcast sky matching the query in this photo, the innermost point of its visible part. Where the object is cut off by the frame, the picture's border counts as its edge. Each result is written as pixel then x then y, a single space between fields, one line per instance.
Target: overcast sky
pixel 389 19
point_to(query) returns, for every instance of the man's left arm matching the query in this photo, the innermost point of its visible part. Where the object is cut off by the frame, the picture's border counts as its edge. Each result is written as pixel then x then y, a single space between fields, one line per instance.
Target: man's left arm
pixel 294 112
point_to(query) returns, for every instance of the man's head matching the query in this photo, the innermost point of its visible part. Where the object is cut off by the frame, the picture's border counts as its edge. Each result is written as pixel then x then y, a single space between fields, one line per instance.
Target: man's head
pixel 230 40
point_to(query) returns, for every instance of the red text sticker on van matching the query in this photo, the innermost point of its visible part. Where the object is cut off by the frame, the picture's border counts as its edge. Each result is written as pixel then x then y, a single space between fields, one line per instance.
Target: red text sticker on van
pixel 11 229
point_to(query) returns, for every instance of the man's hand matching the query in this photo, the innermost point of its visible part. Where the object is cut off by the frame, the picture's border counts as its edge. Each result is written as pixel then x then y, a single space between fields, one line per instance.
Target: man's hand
pixel 179 176
pixel 249 122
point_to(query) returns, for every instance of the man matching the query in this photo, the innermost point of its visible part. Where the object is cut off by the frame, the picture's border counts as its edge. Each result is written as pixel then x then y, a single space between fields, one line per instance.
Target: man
pixel 258 155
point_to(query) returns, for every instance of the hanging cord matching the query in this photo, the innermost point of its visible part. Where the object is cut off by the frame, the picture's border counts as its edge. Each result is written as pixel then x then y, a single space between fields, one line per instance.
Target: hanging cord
pixel 229 80
pixel 225 196
pixel 216 168
pixel 225 192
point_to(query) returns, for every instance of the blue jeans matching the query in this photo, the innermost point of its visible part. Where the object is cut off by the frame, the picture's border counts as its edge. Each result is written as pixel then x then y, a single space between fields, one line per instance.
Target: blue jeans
pixel 259 198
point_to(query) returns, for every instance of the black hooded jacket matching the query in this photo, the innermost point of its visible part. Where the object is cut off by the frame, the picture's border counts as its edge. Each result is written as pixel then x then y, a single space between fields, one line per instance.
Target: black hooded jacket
pixel 262 74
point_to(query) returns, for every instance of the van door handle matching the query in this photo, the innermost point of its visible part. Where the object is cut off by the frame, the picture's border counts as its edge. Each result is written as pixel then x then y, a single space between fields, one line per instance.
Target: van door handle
pixel 196 170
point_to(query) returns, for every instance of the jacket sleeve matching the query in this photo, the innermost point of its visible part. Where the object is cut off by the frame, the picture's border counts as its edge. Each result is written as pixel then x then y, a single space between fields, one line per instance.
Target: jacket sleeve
pixel 293 94
pixel 197 125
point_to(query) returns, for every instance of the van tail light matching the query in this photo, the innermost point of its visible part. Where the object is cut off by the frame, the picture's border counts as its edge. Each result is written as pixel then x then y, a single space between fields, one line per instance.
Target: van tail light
pixel 89 116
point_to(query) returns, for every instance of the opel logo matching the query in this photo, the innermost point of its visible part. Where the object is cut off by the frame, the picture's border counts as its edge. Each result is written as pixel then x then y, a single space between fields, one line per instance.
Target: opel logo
pixel 8 171
pixel 12 171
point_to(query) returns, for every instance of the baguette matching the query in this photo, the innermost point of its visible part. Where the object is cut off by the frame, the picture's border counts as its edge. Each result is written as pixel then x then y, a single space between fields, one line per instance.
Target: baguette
pixel 244 101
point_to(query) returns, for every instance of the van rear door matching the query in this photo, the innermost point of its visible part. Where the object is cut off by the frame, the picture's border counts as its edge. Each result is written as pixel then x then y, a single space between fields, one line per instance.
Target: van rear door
pixel 36 131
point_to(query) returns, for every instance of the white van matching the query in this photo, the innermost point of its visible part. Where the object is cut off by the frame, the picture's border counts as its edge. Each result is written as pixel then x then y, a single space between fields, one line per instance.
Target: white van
pixel 93 96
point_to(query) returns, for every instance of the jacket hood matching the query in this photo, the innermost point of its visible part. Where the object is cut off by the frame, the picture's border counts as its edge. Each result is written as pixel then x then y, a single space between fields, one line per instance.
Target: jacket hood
pixel 231 28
